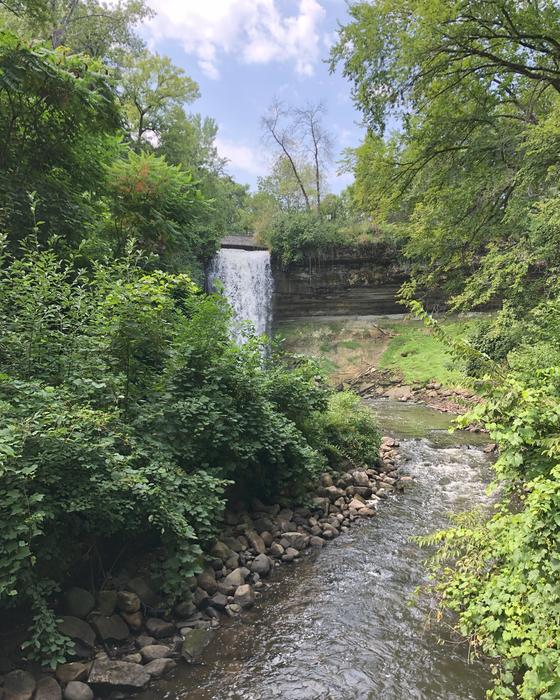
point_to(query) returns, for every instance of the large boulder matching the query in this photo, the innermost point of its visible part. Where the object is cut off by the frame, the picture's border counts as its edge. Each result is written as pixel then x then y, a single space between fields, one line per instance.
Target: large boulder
pixel 144 591
pixel 244 596
pixel 159 628
pixel 261 565
pixel 196 640
pixel 79 602
pixel 207 581
pixel 106 602
pixel 110 673
pixel 256 541
pixel 154 651
pixel 221 551
pixel 80 632
pixel 48 689
pixel 235 578
pixel 19 685
pixel 158 667
pixel 360 478
pixel 76 690
pixel 112 628
pixel 74 671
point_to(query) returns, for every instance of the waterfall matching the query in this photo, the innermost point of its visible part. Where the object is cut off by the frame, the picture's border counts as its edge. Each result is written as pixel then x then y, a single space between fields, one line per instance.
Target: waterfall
pixel 248 286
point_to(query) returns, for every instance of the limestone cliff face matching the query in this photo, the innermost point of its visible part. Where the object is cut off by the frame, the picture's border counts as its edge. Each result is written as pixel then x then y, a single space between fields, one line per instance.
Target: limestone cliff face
pixel 338 283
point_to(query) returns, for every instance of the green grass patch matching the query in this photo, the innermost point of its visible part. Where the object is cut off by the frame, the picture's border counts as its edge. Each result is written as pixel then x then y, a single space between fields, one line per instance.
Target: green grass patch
pixel 420 357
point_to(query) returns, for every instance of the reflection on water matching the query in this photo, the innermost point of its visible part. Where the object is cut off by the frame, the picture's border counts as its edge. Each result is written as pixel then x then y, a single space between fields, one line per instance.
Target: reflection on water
pixel 337 625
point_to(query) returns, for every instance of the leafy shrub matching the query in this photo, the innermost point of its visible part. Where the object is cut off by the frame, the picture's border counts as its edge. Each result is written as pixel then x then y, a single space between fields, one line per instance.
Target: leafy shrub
pixel 348 431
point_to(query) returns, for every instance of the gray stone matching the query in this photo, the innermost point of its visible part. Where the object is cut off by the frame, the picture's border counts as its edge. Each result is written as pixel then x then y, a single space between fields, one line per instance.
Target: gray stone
pixel 315 541
pixel 360 478
pixel 19 685
pixel 185 609
pixel 143 590
pixel 76 690
pixel 233 609
pixel 143 640
pixel 128 601
pixel 159 628
pixel 244 596
pixel 261 565
pixel 110 628
pixel 158 667
pixel 48 689
pixel 207 581
pixel 134 620
pixel 256 541
pixel 200 598
pixel 74 671
pixel 154 651
pixel 234 543
pixel 295 540
pixel 232 562
pixel 276 550
pixel 236 578
pixel 79 631
pixel 221 551
pixel 106 602
pixel 133 658
pixel 218 601
pixel 196 640
pixel 79 602
pixel 290 554
pixel 111 673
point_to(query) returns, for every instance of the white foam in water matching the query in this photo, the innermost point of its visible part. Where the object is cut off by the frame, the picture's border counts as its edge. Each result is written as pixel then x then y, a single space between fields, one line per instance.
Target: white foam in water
pixel 248 286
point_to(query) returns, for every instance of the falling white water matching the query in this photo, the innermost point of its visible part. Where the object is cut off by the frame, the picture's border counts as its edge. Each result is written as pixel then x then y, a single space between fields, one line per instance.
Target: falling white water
pixel 248 286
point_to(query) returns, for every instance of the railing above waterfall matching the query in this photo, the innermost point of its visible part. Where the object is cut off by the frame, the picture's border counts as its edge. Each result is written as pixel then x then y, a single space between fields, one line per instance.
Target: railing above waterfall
pixel 241 242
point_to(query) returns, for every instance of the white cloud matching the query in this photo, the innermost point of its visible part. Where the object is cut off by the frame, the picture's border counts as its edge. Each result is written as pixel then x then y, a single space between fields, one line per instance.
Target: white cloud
pixel 255 31
pixel 246 159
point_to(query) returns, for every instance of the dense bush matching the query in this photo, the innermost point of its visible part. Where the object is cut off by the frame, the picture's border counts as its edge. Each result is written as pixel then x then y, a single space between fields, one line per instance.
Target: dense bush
pixel 128 411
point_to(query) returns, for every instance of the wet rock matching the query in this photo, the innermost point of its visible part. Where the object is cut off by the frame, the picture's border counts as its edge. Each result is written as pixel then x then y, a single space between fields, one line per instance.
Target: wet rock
pixel 295 540
pixel 233 609
pixel 133 658
pixel 154 651
pixel 244 596
pixel 236 578
pixel 367 512
pixel 290 554
pixel 267 538
pixel 218 601
pixel 159 628
pixel 333 493
pixel 232 562
pixel 76 690
pixel 256 541
pixel 128 601
pixel 79 602
pixel 143 590
pixel 106 602
pixel 220 550
pixel 80 632
pixel 234 543
pixel 326 480
pixel 185 609
pixel 316 541
pixel 207 581
pixel 360 478
pixel 356 504
pixel 48 689
pixel 276 550
pixel 73 671
pixel 143 640
pixel 110 628
pixel 19 685
pixel 158 667
pixel 107 672
pixel 134 620
pixel 195 642
pixel 261 565
pixel 200 598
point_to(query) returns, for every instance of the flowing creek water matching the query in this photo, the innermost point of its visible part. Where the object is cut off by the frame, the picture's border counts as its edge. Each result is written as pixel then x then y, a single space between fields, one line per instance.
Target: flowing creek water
pixel 338 624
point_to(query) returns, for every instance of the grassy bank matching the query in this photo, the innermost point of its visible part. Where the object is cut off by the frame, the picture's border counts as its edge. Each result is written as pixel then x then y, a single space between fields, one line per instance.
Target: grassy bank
pixel 347 346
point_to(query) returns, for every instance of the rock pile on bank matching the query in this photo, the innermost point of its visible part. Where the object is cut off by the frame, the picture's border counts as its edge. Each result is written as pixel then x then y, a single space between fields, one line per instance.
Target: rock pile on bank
pixel 122 637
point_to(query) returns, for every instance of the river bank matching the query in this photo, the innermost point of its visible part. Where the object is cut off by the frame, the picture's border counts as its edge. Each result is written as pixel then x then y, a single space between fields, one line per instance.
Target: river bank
pixel 123 636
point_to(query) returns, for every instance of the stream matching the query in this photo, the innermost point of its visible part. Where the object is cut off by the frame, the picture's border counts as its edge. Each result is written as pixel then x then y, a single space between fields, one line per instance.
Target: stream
pixel 337 625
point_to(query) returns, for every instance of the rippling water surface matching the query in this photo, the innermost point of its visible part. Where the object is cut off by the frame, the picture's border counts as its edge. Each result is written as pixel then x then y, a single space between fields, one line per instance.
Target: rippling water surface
pixel 337 625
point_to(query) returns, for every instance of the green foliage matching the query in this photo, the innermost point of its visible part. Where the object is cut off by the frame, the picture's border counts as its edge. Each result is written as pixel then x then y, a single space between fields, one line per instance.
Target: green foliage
pixel 348 431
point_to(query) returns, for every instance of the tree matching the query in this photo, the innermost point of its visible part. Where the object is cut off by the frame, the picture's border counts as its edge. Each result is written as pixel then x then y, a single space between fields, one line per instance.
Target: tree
pixel 285 189
pixel 467 84
pixel 317 143
pixel 151 88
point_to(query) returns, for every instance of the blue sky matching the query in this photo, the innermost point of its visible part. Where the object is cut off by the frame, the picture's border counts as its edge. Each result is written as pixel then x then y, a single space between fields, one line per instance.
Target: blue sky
pixel 243 54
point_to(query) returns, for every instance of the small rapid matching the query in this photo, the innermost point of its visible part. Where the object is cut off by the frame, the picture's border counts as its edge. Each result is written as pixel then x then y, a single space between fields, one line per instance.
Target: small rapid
pixel 246 276
pixel 338 625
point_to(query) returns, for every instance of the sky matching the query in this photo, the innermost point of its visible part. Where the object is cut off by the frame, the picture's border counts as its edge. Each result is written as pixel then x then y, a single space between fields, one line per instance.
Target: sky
pixel 245 53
